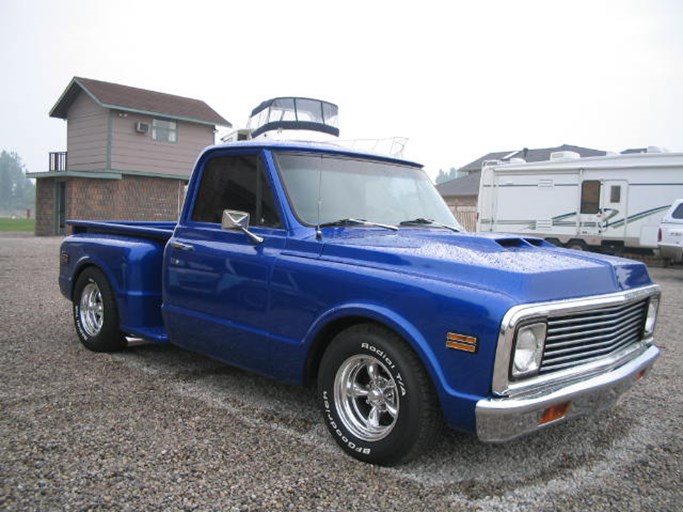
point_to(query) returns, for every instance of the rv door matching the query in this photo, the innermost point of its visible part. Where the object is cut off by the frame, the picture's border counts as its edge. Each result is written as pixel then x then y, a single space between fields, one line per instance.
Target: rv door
pixel 613 207
pixel 589 210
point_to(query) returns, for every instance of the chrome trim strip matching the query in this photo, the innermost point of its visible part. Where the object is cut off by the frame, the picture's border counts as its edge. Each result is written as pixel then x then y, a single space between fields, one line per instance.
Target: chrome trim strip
pixel 501 384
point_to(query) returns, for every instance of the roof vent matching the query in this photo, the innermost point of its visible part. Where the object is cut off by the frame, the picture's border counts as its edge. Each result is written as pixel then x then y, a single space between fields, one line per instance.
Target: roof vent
pixel 491 163
pixel 564 155
pixel 516 161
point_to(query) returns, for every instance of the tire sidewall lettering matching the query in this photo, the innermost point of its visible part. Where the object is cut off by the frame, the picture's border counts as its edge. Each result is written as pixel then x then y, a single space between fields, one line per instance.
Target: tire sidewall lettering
pixel 388 362
pixel 351 445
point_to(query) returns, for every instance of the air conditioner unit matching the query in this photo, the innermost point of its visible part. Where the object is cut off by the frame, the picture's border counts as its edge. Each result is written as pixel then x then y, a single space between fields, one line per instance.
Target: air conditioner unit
pixel 565 155
pixel 142 127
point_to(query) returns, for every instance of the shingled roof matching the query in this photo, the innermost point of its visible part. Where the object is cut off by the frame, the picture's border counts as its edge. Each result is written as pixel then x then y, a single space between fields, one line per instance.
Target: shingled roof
pixel 530 155
pixel 469 185
pixel 459 187
pixel 140 101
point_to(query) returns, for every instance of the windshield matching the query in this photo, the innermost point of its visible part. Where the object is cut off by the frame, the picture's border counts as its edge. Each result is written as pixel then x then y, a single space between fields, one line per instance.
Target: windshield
pixel 324 189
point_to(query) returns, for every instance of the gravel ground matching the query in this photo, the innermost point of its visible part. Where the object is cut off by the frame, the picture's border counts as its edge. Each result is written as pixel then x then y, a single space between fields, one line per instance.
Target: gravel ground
pixel 157 428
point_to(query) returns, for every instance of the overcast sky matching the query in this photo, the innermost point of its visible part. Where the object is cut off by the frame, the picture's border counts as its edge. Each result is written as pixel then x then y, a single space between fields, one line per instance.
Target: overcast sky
pixel 459 79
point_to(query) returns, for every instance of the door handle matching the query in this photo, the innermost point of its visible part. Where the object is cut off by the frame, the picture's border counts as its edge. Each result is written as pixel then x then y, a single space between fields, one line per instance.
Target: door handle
pixel 181 246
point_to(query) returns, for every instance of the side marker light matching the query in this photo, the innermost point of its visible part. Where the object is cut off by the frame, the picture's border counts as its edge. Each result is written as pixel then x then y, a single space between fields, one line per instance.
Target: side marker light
pixel 554 413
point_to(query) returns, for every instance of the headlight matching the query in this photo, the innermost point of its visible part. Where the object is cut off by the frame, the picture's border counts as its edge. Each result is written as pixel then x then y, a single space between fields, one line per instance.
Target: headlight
pixel 528 351
pixel 651 319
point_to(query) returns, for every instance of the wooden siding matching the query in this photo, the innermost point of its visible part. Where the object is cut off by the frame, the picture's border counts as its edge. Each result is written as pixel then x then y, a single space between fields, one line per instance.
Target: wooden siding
pixel 87 135
pixel 138 152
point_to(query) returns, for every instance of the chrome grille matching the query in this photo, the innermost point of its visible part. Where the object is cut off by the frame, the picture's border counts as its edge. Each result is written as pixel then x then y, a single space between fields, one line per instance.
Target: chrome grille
pixel 580 338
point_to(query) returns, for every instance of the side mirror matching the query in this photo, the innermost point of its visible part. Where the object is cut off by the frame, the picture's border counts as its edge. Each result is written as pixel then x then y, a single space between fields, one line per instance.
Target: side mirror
pixel 239 221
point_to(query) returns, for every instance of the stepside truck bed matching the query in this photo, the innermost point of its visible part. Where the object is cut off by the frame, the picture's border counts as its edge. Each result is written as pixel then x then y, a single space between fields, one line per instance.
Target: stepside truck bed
pixel 151 230
pixel 130 254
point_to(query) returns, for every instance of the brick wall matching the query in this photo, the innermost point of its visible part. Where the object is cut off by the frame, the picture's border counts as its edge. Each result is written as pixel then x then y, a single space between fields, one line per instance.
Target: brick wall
pixel 45 206
pixel 130 198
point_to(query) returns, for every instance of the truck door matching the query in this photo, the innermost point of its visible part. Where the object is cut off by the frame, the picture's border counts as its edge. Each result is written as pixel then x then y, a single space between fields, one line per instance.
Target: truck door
pixel 217 282
pixel 613 207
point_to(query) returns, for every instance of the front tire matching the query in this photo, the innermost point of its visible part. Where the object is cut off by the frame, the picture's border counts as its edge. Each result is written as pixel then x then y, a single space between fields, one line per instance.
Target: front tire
pixel 95 313
pixel 376 397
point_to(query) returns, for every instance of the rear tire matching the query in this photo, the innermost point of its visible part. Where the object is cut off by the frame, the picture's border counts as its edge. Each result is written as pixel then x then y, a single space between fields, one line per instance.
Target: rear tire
pixel 95 313
pixel 377 399
pixel 577 245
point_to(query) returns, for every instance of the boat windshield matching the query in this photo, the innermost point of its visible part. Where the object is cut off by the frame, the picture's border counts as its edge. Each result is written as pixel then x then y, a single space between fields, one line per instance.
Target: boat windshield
pixel 327 189
pixel 294 114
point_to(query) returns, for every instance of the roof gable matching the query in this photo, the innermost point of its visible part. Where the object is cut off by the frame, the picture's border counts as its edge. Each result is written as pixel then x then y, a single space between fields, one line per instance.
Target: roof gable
pixel 141 101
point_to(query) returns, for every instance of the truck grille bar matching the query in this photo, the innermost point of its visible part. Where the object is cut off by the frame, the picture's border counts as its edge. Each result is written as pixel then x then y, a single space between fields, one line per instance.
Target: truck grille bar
pixel 580 338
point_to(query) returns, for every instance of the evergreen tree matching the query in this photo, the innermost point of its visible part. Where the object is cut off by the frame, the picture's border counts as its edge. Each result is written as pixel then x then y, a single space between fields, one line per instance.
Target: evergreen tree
pixel 447 176
pixel 17 192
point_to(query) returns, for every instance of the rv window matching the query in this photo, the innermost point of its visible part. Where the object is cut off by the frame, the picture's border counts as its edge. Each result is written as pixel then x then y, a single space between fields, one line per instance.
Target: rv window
pixel 615 194
pixel 590 197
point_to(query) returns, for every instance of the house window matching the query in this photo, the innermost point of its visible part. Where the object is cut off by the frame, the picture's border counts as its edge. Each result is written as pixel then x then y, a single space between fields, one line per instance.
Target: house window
pixel 590 197
pixel 164 131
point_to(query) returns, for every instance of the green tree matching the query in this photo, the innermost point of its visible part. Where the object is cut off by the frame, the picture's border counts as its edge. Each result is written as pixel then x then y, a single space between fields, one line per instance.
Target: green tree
pixel 447 176
pixel 17 192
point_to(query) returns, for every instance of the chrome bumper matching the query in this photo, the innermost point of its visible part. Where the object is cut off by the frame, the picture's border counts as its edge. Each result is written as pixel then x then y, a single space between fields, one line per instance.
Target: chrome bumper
pixel 501 419
pixel 671 252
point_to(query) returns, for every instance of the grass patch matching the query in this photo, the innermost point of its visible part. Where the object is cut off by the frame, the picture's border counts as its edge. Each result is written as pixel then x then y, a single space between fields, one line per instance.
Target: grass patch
pixel 18 225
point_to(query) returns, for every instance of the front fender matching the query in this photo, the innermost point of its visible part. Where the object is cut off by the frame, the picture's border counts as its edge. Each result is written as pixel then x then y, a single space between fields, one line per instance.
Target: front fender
pixel 457 403
pixel 386 317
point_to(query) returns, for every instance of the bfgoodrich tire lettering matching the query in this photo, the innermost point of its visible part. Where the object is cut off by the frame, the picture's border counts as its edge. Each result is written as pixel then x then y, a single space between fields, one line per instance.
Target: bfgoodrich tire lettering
pixel 377 400
pixel 95 313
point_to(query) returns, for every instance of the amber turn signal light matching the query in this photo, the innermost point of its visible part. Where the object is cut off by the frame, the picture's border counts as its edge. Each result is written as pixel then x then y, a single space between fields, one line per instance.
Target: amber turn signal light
pixel 554 412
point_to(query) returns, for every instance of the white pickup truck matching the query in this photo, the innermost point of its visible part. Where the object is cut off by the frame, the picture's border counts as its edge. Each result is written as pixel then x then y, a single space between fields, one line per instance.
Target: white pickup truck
pixel 670 237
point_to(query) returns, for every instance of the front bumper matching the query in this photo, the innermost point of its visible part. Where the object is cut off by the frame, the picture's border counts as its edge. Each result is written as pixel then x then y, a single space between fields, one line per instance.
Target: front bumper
pixel 501 419
pixel 671 252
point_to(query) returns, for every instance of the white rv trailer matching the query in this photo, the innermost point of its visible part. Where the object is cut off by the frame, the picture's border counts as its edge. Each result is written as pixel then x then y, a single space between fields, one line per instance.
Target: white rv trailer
pixel 610 202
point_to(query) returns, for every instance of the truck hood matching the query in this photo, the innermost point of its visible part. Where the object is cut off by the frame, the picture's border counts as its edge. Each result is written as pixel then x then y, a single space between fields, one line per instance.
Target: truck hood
pixel 526 269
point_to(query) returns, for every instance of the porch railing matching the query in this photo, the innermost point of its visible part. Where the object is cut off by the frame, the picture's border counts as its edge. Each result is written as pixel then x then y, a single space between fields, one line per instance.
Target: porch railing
pixel 57 161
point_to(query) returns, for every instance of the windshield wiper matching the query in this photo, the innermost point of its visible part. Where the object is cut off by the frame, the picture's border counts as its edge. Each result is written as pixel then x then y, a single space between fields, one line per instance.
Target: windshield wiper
pixel 421 221
pixel 356 222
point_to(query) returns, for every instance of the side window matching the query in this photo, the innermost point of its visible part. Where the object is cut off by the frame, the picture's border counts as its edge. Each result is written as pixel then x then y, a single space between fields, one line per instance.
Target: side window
pixel 678 212
pixel 590 196
pixel 615 194
pixel 236 182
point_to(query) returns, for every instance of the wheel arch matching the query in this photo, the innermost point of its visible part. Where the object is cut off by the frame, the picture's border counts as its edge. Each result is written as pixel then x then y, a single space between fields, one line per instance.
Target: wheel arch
pixel 86 263
pixel 328 326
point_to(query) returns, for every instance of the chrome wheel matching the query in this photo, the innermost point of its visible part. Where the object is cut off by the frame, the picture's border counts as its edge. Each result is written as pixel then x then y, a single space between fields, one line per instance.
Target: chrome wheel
pixel 366 397
pixel 91 310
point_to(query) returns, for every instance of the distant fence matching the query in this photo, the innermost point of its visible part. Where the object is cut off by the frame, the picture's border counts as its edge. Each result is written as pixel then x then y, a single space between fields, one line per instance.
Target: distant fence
pixel 467 216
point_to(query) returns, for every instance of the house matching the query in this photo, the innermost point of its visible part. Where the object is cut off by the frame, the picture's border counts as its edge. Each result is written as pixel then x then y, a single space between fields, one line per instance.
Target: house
pixel 129 154
pixel 461 193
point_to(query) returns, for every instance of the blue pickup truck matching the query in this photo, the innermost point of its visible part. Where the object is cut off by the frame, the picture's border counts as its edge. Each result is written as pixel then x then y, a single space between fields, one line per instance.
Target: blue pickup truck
pixel 317 265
